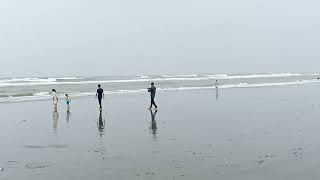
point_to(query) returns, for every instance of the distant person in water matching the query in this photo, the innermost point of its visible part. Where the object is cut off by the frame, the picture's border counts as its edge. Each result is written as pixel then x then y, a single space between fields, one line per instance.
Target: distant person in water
pixel 68 100
pixel 100 95
pixel 216 84
pixel 55 100
pixel 152 91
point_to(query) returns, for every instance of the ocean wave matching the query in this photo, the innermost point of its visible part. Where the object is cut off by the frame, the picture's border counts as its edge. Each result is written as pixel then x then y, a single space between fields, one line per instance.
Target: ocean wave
pixel 69 78
pixel 22 95
pixel 241 85
pixel 53 81
pixel 47 95
pixel 37 80
pixel 142 76
pixel 28 80
pixel 181 75
pixel 42 94
pixel 246 85
pixel 251 76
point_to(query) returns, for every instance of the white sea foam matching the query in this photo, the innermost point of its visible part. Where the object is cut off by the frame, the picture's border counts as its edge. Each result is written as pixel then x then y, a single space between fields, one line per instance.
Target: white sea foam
pixel 23 81
pixel 52 81
pixel 251 76
pixel 187 75
pixel 69 78
pixel 27 80
pixel 46 95
pixel 42 94
pixel 242 85
pixel 245 85
pixel 142 76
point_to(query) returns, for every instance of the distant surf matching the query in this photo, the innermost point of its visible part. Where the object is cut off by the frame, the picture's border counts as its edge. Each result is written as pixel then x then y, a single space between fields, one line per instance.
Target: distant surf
pixel 138 78
pixel 31 89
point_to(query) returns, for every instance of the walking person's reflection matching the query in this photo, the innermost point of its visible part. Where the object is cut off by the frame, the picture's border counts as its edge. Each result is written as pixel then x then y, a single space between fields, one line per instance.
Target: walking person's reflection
pixel 101 124
pixel 68 116
pixel 217 94
pixel 55 121
pixel 154 127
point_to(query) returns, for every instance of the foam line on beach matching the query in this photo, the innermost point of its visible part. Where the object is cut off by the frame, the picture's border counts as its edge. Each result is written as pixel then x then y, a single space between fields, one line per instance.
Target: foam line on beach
pixel 47 96
pixel 53 81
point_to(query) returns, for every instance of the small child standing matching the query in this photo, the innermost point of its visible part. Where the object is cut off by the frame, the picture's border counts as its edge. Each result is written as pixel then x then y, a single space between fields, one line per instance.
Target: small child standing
pixel 68 100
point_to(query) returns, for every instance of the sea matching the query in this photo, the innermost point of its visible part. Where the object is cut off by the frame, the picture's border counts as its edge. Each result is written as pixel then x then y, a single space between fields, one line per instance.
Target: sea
pixel 39 88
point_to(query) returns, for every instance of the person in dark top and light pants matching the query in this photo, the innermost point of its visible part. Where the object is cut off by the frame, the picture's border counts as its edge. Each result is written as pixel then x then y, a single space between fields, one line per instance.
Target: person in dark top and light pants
pixel 152 91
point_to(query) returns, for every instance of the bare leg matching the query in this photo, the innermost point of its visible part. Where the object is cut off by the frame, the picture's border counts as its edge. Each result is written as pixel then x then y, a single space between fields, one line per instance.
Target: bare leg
pixel 55 107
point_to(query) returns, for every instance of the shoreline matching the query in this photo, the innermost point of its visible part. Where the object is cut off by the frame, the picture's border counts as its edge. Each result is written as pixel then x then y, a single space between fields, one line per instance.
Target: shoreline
pixel 266 133
pixel 161 90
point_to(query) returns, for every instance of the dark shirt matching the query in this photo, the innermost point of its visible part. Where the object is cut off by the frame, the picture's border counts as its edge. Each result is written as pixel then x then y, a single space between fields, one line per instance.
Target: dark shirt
pixel 100 93
pixel 153 91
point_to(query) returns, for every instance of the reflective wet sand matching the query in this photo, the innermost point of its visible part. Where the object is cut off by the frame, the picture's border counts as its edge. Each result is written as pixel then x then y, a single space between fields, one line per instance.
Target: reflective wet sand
pixel 258 133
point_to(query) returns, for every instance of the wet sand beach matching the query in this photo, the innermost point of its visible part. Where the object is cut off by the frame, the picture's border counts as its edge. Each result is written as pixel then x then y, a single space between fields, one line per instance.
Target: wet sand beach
pixel 244 133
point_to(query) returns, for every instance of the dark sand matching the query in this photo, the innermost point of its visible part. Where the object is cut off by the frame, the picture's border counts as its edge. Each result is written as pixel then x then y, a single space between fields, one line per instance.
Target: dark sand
pixel 258 133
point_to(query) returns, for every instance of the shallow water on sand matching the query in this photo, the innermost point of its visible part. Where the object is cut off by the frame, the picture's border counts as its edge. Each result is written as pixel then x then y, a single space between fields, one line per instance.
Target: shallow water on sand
pixel 35 89
pixel 260 133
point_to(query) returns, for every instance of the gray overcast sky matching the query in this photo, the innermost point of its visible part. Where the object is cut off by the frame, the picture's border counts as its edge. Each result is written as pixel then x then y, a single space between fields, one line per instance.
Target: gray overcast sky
pixel 120 37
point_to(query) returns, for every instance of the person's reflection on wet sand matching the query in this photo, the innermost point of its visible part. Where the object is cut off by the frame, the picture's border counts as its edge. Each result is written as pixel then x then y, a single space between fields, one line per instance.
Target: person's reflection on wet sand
pixel 68 116
pixel 154 127
pixel 217 94
pixel 101 124
pixel 55 121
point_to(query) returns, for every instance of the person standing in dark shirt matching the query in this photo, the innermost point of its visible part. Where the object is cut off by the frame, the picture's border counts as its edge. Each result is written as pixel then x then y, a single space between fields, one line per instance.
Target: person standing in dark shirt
pixel 100 95
pixel 152 91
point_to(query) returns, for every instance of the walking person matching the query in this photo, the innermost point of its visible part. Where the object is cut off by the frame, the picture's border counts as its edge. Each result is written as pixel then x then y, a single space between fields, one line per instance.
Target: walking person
pixel 152 91
pixel 217 89
pixel 100 95
pixel 216 84
pixel 55 100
